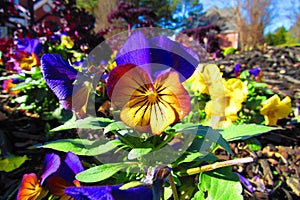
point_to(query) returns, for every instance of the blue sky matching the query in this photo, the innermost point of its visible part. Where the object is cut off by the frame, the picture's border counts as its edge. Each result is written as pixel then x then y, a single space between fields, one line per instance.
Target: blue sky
pixel 284 15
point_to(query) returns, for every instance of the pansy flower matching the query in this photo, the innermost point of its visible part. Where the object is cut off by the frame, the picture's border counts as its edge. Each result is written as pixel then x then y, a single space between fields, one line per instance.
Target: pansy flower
pixel 26 61
pixel 30 46
pixel 235 94
pixel 60 77
pixel 55 177
pixel 274 109
pixel 147 82
pixel 7 87
pixel 32 186
pixel 237 70
pixel 257 73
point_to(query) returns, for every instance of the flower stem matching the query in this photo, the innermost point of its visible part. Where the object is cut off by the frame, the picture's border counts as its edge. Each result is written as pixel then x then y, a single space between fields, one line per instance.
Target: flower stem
pixel 173 186
pixel 169 138
pixel 216 165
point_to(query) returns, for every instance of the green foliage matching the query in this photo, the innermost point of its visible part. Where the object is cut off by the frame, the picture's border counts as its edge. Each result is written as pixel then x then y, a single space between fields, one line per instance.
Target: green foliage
pixel 229 51
pixel 11 163
pixel 244 131
pixel 99 173
pixel 88 5
pixel 219 184
pixel 280 37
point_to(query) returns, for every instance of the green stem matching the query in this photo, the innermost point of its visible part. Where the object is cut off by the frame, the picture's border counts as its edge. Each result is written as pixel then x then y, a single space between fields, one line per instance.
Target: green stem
pixel 173 186
pixel 170 137
pixel 216 165
pixel 124 139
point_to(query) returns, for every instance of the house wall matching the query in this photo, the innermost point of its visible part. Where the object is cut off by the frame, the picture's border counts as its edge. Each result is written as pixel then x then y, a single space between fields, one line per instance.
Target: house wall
pixel 228 39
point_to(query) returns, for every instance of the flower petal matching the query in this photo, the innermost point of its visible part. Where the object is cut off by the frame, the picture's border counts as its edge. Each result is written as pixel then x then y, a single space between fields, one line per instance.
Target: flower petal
pixel 284 108
pixel 124 82
pixel 173 54
pixel 135 51
pixel 269 104
pixel 70 167
pixel 30 188
pixel 51 165
pixel 115 75
pixel 109 193
pixel 58 74
pixel 91 193
pixel 171 91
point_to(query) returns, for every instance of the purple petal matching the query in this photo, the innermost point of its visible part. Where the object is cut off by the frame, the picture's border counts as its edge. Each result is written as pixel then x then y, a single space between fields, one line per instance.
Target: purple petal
pixel 51 165
pixel 58 74
pixel 173 54
pixel 135 51
pixel 30 45
pixel 245 182
pixel 73 163
pixel 70 167
pixel 109 193
pixel 91 193
pixel 237 68
pixel 255 71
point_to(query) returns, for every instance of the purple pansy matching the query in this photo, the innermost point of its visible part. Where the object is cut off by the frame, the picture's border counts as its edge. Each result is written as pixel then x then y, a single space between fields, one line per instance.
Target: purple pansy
pixel 59 76
pixel 237 69
pixel 71 87
pixel 30 45
pixel 255 71
pixel 109 193
pixel 157 55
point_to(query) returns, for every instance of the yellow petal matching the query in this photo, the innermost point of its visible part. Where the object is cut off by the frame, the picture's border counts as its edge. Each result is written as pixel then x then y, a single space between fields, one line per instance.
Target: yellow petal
pixel 162 115
pixel 271 119
pixel 269 104
pixel 170 90
pixel 284 108
pixel 132 85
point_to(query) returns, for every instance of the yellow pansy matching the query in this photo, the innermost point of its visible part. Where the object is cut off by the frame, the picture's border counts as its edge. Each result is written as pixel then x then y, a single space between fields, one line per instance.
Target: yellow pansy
pixel 274 109
pixel 226 96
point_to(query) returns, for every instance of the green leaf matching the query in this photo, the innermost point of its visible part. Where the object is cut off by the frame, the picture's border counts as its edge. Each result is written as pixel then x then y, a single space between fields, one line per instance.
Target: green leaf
pixel 190 156
pixel 106 147
pixel 77 146
pixel 138 152
pixel 14 76
pixel 12 163
pixel 93 123
pixel 244 131
pixel 86 123
pixel 100 172
pixel 119 125
pixel 219 184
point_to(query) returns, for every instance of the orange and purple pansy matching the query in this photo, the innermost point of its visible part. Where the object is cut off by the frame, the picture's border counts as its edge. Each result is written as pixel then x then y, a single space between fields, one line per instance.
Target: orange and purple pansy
pixel 146 85
pixel 27 53
pixel 147 82
pixel 55 177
